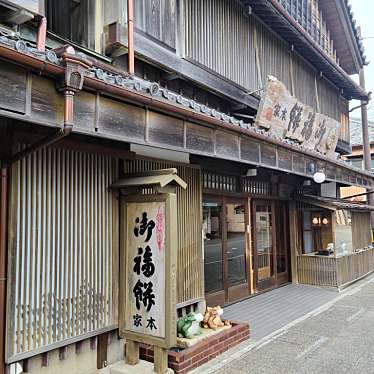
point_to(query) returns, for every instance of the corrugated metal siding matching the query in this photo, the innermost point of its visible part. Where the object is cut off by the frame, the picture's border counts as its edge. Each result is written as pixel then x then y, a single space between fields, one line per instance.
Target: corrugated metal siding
pixel 61 248
pixel 190 281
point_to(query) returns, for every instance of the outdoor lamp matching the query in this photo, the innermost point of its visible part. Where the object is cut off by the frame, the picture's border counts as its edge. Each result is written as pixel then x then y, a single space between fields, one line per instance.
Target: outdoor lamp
pixel 325 221
pixel 316 221
pixel 319 177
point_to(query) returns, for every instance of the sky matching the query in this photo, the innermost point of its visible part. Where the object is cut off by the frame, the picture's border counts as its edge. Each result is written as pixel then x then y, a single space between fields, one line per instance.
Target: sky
pixel 363 11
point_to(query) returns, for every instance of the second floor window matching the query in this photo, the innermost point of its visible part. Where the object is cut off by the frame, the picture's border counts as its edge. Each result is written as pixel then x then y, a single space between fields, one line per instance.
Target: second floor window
pixel 72 20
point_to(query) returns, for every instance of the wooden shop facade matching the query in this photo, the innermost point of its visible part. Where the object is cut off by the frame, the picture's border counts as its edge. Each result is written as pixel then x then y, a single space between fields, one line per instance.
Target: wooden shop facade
pixel 247 110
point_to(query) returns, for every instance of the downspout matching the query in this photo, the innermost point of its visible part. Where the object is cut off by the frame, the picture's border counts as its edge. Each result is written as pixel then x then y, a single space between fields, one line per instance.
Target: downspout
pixel 130 36
pixel 70 83
pixel 42 35
pixel 3 264
pixel 55 137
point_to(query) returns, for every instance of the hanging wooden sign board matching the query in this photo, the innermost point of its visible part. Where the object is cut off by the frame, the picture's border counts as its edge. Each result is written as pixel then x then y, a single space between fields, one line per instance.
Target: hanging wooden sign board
pixel 285 117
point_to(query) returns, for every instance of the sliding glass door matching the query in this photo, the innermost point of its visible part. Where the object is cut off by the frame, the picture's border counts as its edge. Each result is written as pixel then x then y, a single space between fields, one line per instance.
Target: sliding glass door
pixel 271 243
pixel 225 249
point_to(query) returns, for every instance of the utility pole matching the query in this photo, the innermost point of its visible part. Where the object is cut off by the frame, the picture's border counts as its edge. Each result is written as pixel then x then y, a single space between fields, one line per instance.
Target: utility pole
pixel 365 126
pixel 366 139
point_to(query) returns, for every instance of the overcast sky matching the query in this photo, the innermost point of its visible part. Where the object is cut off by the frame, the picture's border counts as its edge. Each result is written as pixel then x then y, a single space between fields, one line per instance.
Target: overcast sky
pixel 364 15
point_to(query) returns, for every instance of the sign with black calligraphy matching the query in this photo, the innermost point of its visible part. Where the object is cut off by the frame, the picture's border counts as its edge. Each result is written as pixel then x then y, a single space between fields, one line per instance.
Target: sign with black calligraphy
pixel 285 117
pixel 150 269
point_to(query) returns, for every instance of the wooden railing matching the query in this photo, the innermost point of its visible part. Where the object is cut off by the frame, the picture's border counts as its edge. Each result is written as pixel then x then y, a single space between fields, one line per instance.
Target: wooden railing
pixel 309 16
pixel 335 271
pixel 317 270
pixel 354 266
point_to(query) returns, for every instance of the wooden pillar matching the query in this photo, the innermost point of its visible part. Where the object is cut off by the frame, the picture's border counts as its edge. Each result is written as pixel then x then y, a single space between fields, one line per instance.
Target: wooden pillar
pixel 250 247
pixel 160 360
pixel 293 240
pixel 102 351
pixel 3 264
pixel 132 352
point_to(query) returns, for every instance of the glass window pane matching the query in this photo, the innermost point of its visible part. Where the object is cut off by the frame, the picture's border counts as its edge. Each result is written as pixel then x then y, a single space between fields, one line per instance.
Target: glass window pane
pixel 357 162
pixel 343 232
pixel 236 248
pixel 307 220
pixel 213 261
pixel 308 242
pixel 264 243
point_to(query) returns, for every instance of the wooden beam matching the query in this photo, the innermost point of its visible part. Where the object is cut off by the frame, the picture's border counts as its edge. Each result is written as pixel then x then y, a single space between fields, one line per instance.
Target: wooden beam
pixel 150 50
pixel 293 240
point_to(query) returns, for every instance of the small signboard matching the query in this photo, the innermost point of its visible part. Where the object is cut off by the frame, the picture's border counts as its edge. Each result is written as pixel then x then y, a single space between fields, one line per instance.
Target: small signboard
pixel 149 270
pixel 285 117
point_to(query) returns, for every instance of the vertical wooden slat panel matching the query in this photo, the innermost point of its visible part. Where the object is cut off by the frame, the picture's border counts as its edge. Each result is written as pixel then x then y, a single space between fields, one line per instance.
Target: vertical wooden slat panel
pixel 189 261
pixel 61 280
pixel 230 46
pixel 361 233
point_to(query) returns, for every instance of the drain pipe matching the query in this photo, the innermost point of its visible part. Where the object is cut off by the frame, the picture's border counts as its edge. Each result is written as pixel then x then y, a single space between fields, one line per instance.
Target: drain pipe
pixel 42 35
pixel 70 83
pixel 3 263
pixel 130 36
pixel 55 137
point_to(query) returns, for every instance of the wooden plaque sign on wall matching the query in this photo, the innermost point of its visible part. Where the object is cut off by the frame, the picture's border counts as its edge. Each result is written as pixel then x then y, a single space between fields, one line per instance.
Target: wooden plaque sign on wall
pixel 284 116
pixel 149 270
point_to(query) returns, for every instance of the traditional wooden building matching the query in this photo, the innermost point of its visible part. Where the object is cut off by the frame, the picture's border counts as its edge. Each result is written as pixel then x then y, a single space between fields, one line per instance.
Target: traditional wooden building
pixel 248 100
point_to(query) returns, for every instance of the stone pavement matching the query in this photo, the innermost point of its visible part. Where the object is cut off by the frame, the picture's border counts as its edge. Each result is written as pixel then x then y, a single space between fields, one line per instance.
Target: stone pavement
pixel 270 311
pixel 336 338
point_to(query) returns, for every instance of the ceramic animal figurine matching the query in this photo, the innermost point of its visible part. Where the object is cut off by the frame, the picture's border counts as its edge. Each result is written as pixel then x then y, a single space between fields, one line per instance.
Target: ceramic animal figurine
pixel 189 326
pixel 212 318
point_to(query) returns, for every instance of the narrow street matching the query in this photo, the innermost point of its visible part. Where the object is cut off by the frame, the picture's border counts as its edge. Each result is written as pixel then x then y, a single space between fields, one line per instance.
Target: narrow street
pixel 337 338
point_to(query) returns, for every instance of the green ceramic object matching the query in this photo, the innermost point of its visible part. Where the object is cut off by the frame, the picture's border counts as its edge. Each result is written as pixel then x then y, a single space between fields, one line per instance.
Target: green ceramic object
pixel 189 326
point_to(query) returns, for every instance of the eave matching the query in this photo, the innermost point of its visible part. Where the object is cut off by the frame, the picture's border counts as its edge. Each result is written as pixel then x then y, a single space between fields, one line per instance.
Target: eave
pixel 144 94
pixel 276 17
pixel 338 15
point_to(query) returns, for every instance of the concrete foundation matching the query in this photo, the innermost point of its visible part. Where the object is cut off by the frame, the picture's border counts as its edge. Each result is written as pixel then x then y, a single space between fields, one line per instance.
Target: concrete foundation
pixel 143 367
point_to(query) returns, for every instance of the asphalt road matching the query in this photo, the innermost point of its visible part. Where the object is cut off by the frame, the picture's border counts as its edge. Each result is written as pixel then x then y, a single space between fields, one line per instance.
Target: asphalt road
pixel 338 338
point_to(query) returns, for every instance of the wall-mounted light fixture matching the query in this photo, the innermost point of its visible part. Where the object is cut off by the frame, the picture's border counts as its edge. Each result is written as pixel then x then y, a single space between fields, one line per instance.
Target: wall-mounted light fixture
pixel 325 221
pixel 251 172
pixel 318 220
pixel 319 177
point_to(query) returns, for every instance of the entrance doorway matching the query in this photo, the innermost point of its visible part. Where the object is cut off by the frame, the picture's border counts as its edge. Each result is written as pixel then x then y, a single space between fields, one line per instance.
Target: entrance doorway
pixel 225 249
pixel 271 256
